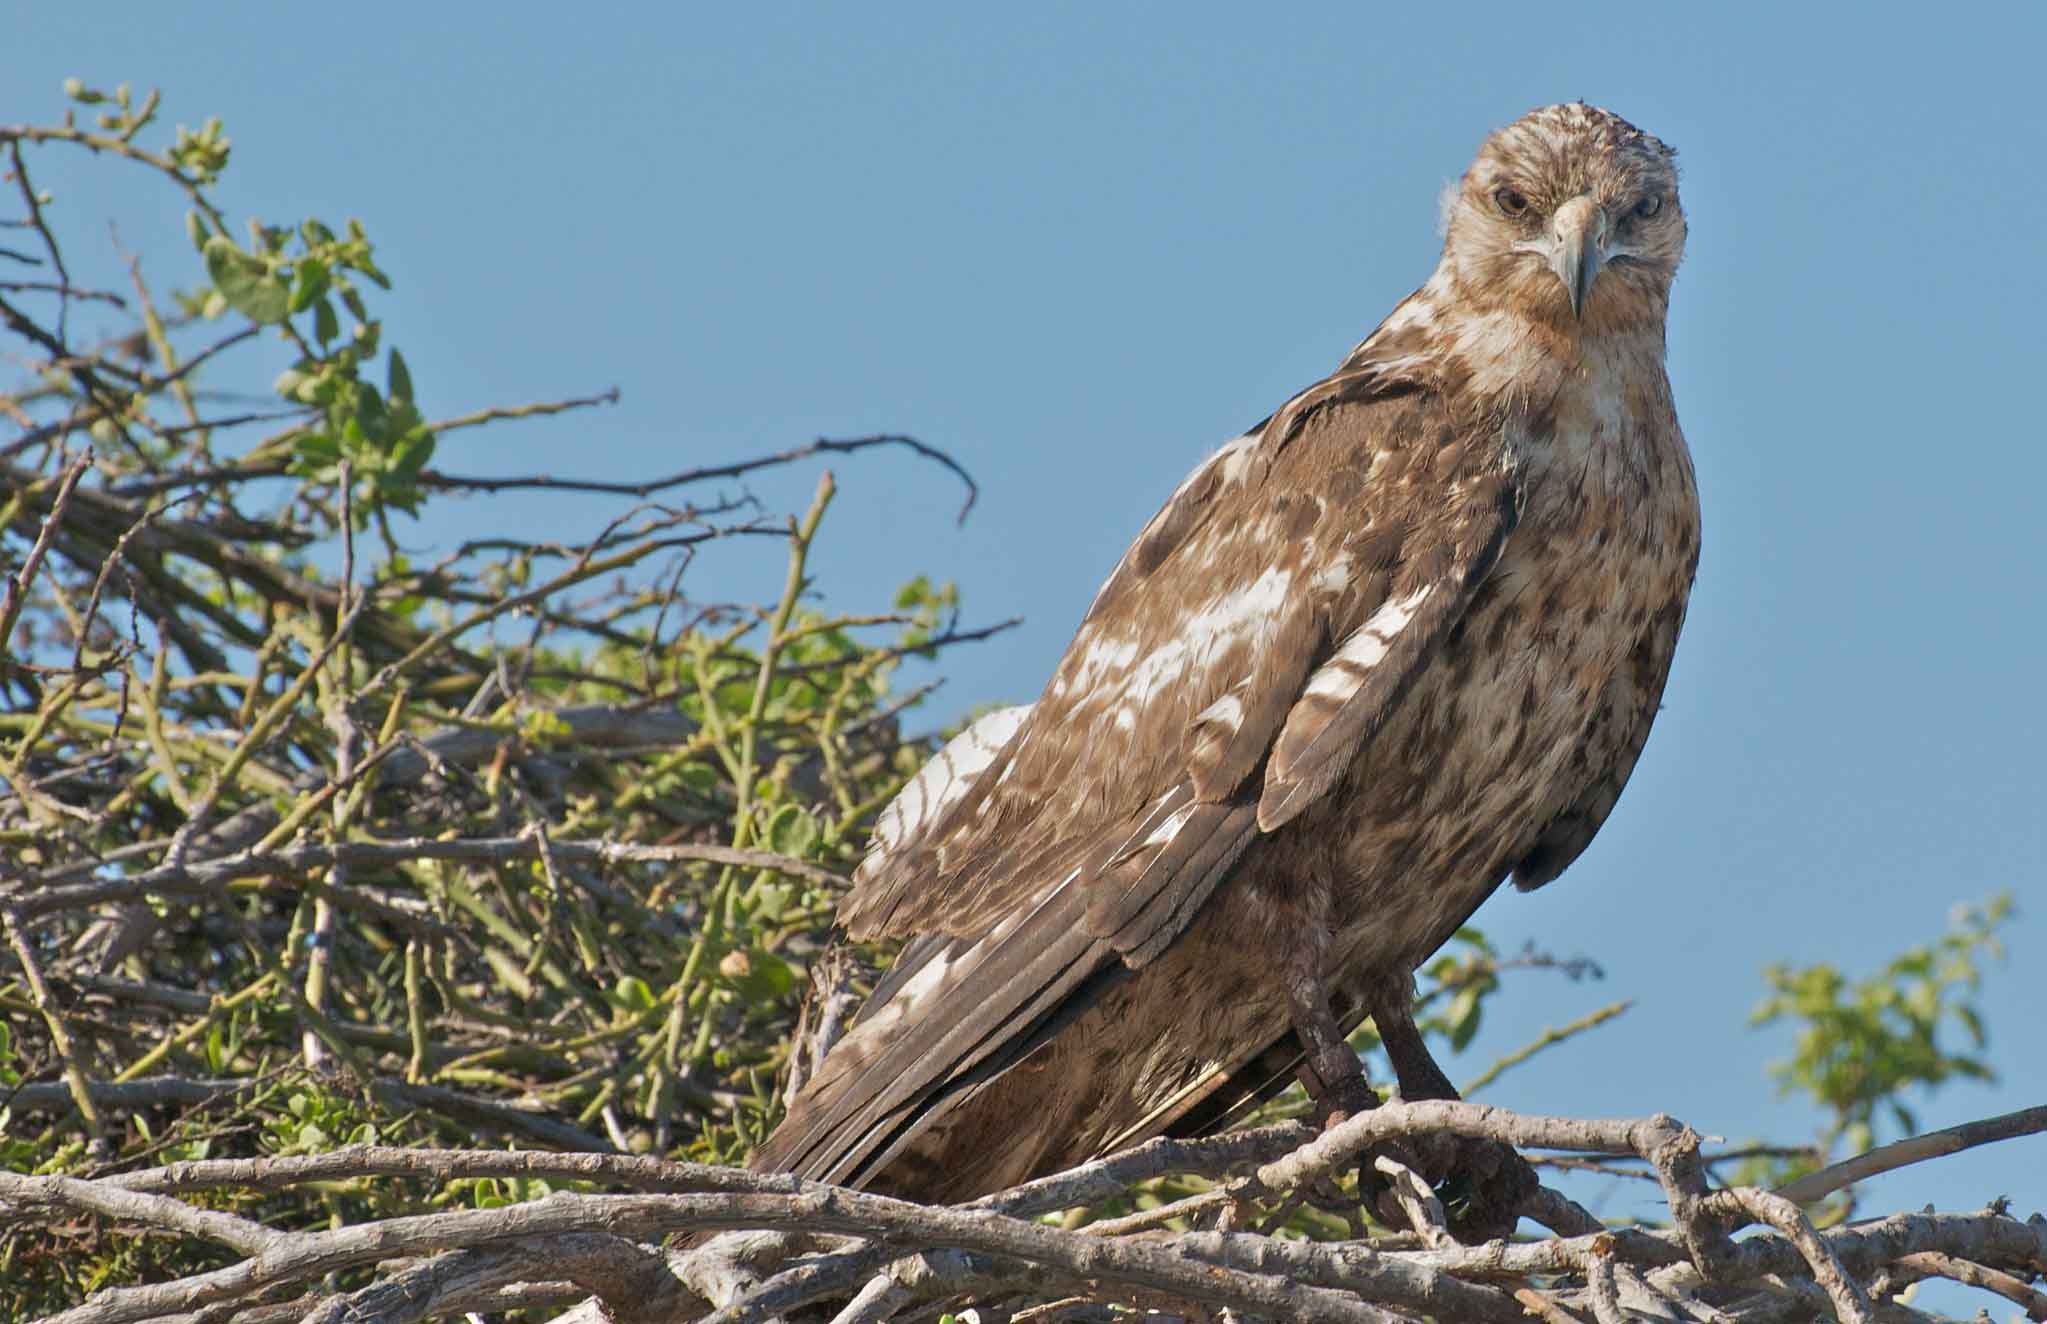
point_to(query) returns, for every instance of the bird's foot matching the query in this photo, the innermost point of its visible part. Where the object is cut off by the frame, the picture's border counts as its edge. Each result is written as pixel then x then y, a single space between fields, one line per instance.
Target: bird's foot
pixel 1484 1189
pixel 1481 1184
pixel 1345 1097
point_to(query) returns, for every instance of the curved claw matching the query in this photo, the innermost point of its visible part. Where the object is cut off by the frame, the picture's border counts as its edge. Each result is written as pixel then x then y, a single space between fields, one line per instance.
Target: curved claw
pixel 1484 1191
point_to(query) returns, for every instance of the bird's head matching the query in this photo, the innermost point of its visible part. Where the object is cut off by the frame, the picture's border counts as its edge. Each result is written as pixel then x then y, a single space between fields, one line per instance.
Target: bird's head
pixel 1569 217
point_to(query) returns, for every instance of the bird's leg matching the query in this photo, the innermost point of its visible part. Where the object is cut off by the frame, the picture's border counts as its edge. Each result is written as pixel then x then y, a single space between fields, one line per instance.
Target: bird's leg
pixel 1392 1008
pixel 1332 1071
pixel 1334 1077
pixel 1485 1182
pixel 1333 1074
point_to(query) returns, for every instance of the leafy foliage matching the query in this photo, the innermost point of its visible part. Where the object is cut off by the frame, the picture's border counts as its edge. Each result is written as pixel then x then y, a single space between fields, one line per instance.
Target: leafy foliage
pixel 1865 1046
pixel 652 793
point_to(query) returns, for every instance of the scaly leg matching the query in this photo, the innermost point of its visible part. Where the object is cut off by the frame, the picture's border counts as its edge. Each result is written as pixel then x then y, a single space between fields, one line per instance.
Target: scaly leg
pixel 1333 1074
pixel 1392 1008
pixel 1485 1182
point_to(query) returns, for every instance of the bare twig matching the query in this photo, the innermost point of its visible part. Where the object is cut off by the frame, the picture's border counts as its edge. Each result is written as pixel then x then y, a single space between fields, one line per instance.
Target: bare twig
pixel 822 446
pixel 1549 1038
pixel 1930 1264
pixel 1816 1186
pixel 202 876
pixel 17 588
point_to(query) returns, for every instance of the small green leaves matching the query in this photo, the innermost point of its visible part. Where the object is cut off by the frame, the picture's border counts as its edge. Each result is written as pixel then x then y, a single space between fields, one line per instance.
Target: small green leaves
pixel 379 433
pixel 384 440
pixel 203 155
pixel 246 282
pixel 1468 979
pixel 929 605
pixel 1864 1045
pixel 309 282
pixel 9 1075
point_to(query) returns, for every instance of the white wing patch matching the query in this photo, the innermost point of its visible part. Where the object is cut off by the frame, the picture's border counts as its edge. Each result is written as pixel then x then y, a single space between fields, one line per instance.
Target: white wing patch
pixel 1235 459
pixel 1251 612
pixel 1341 675
pixel 1101 657
pixel 1228 711
pixel 940 783
pixel 1170 828
pixel 1334 576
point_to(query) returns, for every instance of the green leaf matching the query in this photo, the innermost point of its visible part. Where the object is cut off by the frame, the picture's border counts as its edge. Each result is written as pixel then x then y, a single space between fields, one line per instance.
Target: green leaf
pixel 196 228
pixel 766 976
pixel 915 593
pixel 291 381
pixel 369 409
pixel 317 448
pixel 309 282
pixel 770 900
pixel 398 380
pixel 246 282
pixel 792 831
pixel 1466 1011
pixel 410 455
pixel 326 326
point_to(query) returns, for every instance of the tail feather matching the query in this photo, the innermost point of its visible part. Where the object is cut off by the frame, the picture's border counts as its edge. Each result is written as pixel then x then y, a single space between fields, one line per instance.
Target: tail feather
pixel 952 1015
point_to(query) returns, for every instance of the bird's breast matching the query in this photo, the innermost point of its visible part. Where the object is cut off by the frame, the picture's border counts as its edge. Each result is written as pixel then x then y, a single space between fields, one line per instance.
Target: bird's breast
pixel 1492 740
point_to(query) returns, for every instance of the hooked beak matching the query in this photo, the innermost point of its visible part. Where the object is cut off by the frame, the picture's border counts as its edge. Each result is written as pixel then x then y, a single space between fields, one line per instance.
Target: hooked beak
pixel 1577 248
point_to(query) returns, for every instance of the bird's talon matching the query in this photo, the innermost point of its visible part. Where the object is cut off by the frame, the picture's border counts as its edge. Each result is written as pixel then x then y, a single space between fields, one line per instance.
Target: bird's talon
pixel 1483 1190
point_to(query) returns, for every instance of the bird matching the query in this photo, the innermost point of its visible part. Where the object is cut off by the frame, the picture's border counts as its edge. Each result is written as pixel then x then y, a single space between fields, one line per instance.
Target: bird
pixel 1402 640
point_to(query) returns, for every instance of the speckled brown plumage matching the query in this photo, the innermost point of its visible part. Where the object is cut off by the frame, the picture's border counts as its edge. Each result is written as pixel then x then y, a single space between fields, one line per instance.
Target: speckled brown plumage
pixel 1401 640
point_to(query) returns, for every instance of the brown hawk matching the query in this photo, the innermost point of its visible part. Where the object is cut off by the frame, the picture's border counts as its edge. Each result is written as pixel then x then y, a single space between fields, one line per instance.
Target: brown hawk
pixel 1399 641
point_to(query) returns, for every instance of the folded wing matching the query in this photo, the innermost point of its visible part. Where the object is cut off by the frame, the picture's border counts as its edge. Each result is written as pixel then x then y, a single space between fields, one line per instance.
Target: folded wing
pixel 1232 668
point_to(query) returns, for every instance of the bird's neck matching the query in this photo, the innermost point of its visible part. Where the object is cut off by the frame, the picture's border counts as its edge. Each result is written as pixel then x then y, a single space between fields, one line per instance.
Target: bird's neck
pixel 1500 362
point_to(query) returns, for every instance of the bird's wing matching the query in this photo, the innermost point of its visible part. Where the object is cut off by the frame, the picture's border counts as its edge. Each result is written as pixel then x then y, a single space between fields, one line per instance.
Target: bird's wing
pixel 1263 624
pixel 1608 751
pixel 1127 792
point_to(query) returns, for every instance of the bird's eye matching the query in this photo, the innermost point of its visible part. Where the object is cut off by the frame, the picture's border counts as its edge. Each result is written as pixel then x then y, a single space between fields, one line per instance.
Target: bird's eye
pixel 1511 202
pixel 1648 207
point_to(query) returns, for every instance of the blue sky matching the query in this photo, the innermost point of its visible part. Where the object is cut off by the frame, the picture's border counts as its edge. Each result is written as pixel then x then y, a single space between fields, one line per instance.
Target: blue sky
pixel 1079 245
